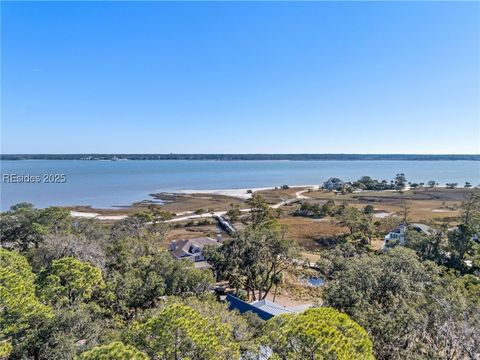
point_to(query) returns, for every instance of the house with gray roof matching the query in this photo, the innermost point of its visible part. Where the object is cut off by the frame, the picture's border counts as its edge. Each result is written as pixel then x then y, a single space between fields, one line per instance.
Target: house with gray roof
pixel 271 308
pixel 191 249
pixel 333 184
pixel 265 309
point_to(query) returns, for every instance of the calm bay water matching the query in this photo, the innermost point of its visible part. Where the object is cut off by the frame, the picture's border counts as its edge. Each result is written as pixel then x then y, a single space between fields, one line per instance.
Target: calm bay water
pixel 106 184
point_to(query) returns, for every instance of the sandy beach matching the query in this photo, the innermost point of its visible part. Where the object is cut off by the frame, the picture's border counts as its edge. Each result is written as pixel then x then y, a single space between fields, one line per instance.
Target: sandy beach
pixel 238 193
pixel 241 193
pixel 93 215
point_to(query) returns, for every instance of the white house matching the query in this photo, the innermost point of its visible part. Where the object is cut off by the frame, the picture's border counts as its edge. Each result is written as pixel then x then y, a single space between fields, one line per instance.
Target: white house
pixel 398 235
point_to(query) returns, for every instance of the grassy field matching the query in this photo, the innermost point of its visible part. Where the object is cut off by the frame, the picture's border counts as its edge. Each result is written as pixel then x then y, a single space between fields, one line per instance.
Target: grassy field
pixel 427 205
pixel 311 233
pixel 274 196
pixel 178 203
pixel 190 232
pixel 175 203
pixel 431 206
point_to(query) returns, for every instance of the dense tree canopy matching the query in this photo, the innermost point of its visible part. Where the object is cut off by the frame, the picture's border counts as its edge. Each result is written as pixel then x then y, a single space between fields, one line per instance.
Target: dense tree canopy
pixel 114 351
pixel 180 332
pixel 318 333
pixel 95 278
pixel 409 307
pixel 20 310
pixel 367 183
pixel 20 228
pixel 73 329
pixel 359 224
pixel 465 240
pixel 148 278
pixel 5 349
pixel 69 280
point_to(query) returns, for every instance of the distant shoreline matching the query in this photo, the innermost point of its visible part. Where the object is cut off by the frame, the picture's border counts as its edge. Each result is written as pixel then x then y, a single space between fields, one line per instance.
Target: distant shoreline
pixel 244 157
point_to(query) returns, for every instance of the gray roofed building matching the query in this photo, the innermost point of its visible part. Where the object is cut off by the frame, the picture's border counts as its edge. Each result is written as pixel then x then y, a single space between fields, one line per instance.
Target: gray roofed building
pixel 265 309
pixel 191 249
pixel 333 184
pixel 427 230
pixel 272 308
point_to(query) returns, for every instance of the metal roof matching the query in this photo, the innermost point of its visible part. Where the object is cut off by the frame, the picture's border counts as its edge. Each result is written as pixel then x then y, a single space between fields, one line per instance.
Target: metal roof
pixel 265 309
pixel 271 307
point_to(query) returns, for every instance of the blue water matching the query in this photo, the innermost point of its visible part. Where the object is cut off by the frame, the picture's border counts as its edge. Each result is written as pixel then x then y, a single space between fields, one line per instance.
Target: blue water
pixel 316 281
pixel 119 183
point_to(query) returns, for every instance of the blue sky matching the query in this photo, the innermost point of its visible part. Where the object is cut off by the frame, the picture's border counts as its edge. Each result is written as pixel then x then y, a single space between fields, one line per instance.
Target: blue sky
pixel 304 77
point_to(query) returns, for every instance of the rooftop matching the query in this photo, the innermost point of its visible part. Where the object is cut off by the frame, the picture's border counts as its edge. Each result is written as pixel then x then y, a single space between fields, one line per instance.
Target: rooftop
pixel 421 227
pixel 184 247
pixel 265 309
pixel 271 307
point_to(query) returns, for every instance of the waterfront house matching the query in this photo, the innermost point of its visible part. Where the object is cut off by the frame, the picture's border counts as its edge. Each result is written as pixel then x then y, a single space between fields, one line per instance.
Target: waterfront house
pixel 333 184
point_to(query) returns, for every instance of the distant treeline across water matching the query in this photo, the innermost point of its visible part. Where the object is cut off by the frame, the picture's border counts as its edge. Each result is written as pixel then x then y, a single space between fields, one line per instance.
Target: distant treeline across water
pixel 229 157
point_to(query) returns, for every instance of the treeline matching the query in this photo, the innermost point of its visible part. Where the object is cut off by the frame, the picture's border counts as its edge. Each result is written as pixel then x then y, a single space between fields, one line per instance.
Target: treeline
pixel 399 182
pixel 412 308
pixel 292 157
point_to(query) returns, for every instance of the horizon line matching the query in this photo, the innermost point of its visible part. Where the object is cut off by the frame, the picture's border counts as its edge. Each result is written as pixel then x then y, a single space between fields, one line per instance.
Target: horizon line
pixel 240 154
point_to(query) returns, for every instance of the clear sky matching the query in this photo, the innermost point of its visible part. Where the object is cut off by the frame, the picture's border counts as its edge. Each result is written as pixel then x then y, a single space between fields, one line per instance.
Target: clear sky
pixel 303 77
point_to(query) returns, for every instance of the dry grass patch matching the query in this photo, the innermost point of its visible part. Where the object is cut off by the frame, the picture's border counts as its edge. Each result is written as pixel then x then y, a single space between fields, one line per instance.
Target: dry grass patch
pixel 377 244
pixel 274 196
pixel 309 233
pixel 311 257
pixel 191 232
pixel 424 205
pixel 178 203
pixel 294 289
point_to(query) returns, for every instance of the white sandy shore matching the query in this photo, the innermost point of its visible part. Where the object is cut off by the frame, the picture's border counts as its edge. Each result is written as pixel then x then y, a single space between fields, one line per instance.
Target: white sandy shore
pixel 92 215
pixel 238 193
